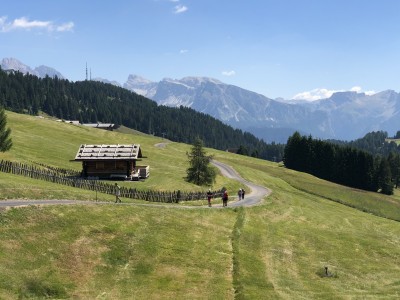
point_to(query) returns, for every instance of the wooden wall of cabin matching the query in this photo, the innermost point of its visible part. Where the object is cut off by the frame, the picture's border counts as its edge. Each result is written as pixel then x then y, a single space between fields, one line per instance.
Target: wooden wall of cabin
pixel 104 168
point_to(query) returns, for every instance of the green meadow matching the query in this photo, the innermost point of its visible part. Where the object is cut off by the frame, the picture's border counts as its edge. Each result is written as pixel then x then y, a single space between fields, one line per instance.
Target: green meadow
pixel 276 250
pixel 397 141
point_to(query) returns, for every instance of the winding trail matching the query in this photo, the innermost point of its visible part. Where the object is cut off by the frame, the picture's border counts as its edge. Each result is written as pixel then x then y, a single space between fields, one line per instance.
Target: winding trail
pixel 257 193
pixel 255 197
pixel 18 202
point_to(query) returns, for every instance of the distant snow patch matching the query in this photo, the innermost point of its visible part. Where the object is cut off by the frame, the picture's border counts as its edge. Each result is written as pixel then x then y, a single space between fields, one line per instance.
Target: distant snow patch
pixel 322 93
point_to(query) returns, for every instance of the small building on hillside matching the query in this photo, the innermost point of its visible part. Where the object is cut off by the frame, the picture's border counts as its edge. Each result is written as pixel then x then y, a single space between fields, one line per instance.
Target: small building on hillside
pixel 112 161
pixel 106 126
pixel 74 122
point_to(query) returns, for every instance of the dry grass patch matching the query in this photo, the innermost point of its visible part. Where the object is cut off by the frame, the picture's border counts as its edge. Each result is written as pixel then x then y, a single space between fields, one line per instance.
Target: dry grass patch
pixel 116 251
pixel 80 260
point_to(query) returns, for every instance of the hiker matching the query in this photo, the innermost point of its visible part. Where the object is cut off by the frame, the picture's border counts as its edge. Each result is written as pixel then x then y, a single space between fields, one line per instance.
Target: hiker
pixel 243 192
pixel 225 199
pixel 117 193
pixel 209 197
pixel 240 194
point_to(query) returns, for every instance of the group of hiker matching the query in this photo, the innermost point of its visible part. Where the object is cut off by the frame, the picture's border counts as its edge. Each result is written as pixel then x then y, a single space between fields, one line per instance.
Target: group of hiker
pixel 225 197
pixel 210 195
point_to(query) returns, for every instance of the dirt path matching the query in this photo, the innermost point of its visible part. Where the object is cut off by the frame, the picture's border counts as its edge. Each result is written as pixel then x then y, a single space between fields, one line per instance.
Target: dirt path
pixel 253 198
pixel 17 202
pixel 257 192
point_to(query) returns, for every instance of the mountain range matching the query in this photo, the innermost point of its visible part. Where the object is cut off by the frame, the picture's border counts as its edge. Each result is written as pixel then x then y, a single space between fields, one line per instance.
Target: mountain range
pixel 343 116
pixel 41 71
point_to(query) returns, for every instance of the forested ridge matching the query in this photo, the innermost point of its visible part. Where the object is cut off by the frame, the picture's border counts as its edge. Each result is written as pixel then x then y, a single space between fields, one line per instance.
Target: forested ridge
pixel 375 143
pixel 92 101
pixel 346 164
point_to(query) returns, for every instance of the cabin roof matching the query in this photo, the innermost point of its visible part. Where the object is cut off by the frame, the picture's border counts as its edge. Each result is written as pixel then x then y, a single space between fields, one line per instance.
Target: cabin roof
pixel 99 125
pixel 109 152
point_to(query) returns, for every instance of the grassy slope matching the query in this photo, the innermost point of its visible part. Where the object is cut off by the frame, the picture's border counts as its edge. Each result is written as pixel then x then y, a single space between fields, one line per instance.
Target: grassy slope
pixel 54 143
pixel 115 252
pixel 275 250
pixel 287 242
pixel 397 141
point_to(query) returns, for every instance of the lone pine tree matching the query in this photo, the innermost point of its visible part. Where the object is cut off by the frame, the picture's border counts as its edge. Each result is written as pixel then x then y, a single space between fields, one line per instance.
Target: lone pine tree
pixel 5 139
pixel 200 172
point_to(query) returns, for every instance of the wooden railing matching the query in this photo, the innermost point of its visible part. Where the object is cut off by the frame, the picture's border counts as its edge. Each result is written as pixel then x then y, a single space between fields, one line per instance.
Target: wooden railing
pixel 71 178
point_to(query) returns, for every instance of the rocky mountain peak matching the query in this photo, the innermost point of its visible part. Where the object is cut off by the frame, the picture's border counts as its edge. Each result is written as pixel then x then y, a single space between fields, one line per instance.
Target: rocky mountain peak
pixel 41 71
pixel 138 80
pixel 14 64
pixel 197 81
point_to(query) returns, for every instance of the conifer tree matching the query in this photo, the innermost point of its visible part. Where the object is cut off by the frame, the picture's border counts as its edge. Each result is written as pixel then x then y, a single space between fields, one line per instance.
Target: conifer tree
pixel 199 171
pixel 394 162
pixel 5 139
pixel 242 150
pixel 384 177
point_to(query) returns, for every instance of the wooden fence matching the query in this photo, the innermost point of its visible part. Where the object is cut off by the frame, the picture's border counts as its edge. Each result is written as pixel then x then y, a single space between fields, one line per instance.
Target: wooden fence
pixel 70 178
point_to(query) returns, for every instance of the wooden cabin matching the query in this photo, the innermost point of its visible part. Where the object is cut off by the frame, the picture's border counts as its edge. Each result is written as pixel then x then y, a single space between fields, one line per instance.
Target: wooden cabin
pixel 106 126
pixel 110 161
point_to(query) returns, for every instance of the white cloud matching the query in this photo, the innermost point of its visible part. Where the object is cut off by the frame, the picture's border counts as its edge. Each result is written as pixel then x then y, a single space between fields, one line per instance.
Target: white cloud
pixel 26 24
pixel 2 21
pixel 183 51
pixel 314 94
pixel 321 93
pixel 180 9
pixel 369 93
pixel 356 89
pixel 229 73
pixel 65 27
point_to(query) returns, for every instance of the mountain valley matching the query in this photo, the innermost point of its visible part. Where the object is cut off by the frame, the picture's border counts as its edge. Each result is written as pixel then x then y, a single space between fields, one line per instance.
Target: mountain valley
pixel 343 116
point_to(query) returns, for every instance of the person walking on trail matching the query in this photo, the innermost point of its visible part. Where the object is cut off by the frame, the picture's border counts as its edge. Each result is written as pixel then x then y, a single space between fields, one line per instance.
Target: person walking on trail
pixel 209 197
pixel 225 199
pixel 243 192
pixel 240 194
pixel 117 193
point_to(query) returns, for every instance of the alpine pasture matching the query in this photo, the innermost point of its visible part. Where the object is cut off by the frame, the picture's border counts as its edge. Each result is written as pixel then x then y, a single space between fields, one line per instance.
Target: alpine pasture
pixel 309 239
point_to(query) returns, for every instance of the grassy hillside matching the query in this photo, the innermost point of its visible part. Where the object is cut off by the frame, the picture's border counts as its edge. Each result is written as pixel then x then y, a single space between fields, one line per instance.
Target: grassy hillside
pixel 286 243
pixel 397 141
pixel 375 203
pixel 277 250
pixel 54 143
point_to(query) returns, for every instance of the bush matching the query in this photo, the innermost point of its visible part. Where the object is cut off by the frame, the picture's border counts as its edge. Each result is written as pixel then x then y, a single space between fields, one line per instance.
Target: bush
pixel 34 287
pixel 387 188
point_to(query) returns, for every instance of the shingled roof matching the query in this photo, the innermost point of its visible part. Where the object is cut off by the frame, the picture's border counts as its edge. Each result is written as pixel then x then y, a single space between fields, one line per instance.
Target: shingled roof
pixel 108 152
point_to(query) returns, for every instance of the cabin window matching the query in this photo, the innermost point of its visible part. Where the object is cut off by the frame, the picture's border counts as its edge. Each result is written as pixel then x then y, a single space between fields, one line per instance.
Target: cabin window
pixel 99 165
pixel 120 165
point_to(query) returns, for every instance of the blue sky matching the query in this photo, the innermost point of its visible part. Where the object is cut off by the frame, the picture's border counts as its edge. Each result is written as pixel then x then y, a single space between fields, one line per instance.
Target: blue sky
pixel 278 48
